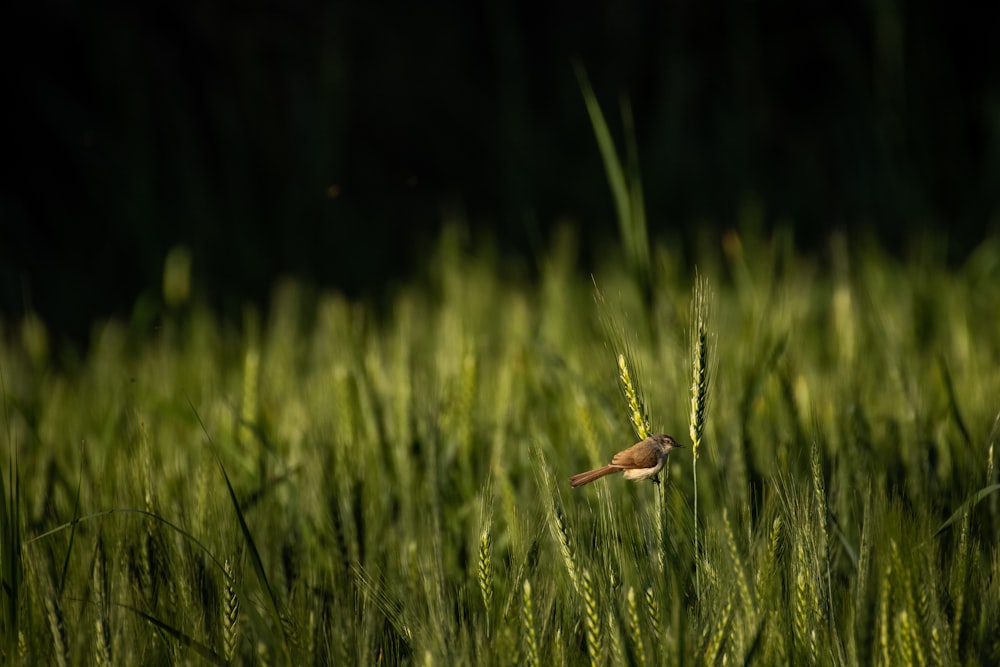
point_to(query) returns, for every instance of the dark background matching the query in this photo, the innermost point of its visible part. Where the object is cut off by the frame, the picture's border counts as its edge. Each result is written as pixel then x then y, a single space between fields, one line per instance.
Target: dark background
pixel 331 140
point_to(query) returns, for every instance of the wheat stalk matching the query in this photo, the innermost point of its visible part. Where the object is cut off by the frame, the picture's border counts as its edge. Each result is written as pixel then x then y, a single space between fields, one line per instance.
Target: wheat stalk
pixel 717 639
pixel 883 609
pixel 54 614
pixel 557 522
pixel 530 641
pixel 486 574
pixel 592 619
pixel 634 629
pixel 230 614
pixel 741 574
pixel 913 650
pixel 102 652
pixel 699 396
pixel 819 493
pixel 653 611
pixel 804 629
pixel 633 400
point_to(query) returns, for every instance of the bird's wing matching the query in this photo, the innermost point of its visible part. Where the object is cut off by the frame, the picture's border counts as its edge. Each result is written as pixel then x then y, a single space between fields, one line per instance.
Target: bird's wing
pixel 639 455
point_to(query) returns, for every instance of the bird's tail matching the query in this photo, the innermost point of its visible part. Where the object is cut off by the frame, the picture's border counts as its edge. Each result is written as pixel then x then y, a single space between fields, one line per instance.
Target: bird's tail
pixel 582 478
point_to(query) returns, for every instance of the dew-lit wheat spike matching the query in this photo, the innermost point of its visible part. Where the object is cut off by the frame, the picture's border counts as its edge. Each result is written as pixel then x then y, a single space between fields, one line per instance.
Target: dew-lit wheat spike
pixel 60 648
pixel 938 647
pixel 718 637
pixel 486 568
pixel 616 647
pixel 904 630
pixel 230 614
pixel 774 541
pixel 699 387
pixel 737 561
pixel 528 615
pixel 937 635
pixel 152 563
pixel 885 595
pixel 819 492
pixel 565 544
pixel 699 399
pixel 912 642
pixel 592 619
pixel 864 548
pixel 102 638
pixel 637 411
pixel 557 524
pixel 290 628
pixel 802 605
pixel 634 628
pixel 699 363
pixel 558 648
pixel 653 611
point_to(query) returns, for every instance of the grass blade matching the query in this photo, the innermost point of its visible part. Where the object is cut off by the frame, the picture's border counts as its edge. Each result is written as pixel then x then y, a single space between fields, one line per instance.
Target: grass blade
pixel 255 559
pixel 188 641
pixel 971 502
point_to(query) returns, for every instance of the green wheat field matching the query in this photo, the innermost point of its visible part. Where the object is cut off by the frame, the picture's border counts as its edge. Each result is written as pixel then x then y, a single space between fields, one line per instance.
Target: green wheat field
pixel 335 483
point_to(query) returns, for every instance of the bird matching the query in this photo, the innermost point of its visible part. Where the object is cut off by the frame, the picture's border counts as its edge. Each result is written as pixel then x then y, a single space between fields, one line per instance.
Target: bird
pixel 643 460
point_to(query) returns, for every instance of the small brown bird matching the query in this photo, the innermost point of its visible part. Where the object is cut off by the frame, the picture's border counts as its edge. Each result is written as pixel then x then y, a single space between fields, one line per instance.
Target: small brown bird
pixel 643 460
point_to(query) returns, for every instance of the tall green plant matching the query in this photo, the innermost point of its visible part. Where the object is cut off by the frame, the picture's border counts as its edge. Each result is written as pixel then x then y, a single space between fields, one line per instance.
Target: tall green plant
pixel 625 185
